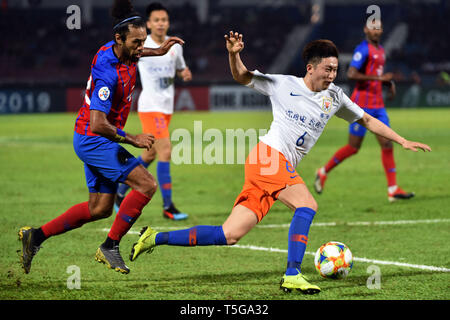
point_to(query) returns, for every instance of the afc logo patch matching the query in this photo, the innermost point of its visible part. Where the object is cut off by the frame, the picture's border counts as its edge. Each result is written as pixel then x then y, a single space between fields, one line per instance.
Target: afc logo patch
pixel 103 93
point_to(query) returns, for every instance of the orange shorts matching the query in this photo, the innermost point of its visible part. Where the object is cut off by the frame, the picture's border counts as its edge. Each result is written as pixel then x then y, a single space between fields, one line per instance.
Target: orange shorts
pixel 156 123
pixel 267 173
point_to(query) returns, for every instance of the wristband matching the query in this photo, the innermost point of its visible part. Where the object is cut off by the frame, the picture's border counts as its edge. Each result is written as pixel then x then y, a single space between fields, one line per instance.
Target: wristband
pixel 120 135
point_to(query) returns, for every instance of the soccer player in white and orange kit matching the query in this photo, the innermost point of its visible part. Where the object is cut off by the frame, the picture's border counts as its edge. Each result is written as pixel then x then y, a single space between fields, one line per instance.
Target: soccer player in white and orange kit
pixel 301 109
pixel 156 104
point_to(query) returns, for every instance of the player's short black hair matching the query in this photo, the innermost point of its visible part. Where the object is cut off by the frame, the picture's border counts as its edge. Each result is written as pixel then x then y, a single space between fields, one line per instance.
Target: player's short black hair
pixel 123 16
pixel 318 49
pixel 154 6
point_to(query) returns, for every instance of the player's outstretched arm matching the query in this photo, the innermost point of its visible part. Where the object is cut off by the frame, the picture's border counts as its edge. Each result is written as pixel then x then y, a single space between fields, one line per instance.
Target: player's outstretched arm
pixel 100 125
pixel 235 45
pixel 379 128
pixel 163 49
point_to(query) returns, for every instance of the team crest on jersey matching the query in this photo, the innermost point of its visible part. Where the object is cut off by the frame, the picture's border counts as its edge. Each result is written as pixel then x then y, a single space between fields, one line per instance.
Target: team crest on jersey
pixel 103 93
pixel 327 103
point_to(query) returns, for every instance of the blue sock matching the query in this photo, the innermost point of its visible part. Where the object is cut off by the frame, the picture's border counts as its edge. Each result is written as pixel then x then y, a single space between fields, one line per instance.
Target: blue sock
pixel 298 238
pixel 195 236
pixel 165 182
pixel 123 188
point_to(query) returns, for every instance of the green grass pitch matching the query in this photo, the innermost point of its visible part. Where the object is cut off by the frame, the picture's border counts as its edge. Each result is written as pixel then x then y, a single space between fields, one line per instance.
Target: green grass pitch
pixel 40 177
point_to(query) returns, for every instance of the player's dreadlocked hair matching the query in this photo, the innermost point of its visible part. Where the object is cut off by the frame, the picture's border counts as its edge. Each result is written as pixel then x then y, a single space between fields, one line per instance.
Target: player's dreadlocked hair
pixel 124 15
pixel 318 49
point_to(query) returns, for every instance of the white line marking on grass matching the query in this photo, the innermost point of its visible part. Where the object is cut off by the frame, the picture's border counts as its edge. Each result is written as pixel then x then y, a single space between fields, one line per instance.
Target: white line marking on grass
pixel 358 223
pixel 392 263
pixel 321 224
pixel 375 261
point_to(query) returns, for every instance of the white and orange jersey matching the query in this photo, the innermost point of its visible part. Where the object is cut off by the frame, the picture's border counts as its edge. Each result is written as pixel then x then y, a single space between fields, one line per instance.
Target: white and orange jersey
pixel 157 77
pixel 299 114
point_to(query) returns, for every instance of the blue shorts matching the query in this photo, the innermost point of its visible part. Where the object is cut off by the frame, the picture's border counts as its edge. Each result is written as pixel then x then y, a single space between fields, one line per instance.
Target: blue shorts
pixel 106 163
pixel 358 130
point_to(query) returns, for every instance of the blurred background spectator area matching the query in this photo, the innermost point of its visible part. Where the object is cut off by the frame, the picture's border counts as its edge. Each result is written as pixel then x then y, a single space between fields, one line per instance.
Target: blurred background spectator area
pixel 37 47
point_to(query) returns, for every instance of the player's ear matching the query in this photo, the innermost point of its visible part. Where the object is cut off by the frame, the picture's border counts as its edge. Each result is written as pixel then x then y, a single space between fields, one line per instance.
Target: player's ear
pixel 118 38
pixel 309 67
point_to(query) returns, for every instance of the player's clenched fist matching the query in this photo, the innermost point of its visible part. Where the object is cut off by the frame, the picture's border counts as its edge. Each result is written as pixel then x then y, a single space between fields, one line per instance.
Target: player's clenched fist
pixel 234 42
pixel 144 140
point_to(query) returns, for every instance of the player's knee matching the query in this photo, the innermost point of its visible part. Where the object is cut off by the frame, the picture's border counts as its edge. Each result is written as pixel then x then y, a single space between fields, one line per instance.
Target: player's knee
pixel 165 155
pixel 149 187
pixel 148 157
pixel 100 212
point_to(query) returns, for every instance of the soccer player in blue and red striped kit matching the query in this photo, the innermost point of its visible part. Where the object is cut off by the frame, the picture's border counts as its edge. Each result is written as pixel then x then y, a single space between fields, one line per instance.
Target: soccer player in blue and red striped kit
pixel 98 132
pixel 367 68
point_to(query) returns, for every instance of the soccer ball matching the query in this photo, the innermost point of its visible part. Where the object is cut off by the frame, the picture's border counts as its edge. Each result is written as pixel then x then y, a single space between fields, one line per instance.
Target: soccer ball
pixel 333 260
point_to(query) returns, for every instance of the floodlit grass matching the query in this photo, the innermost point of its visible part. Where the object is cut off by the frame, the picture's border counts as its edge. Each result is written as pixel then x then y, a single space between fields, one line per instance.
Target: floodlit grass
pixel 41 177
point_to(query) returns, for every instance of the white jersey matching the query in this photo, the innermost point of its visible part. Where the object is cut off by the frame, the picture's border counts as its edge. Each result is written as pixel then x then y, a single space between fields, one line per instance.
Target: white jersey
pixel 157 77
pixel 299 114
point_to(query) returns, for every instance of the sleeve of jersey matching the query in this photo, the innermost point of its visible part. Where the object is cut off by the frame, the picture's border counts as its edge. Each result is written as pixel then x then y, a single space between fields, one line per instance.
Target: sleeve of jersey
pixel 359 56
pixel 180 63
pixel 349 110
pixel 104 82
pixel 263 83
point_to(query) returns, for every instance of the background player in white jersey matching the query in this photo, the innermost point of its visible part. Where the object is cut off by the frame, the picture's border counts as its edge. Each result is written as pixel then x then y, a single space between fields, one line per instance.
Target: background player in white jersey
pixel 301 109
pixel 156 104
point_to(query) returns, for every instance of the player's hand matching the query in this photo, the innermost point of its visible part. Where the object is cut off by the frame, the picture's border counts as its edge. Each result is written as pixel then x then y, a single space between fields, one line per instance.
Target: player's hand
pixel 392 90
pixel 414 146
pixel 144 140
pixel 164 48
pixel 185 74
pixel 234 42
pixel 167 44
pixel 386 77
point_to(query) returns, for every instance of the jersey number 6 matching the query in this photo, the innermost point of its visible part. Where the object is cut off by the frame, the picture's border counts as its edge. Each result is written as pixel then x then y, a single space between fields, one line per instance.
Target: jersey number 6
pixel 301 140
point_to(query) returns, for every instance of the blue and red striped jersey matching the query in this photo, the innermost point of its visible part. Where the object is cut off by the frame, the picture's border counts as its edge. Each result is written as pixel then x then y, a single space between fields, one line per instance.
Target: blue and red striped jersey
pixel 109 89
pixel 369 60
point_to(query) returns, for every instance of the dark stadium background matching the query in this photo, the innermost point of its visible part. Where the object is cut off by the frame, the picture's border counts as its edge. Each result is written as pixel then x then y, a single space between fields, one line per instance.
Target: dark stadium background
pixel 44 65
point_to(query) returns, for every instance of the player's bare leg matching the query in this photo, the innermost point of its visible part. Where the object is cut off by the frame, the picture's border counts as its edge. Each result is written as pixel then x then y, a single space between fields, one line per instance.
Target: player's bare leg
pixel 387 158
pixel 240 221
pixel 147 156
pixel 100 205
pixel 354 144
pixel 298 198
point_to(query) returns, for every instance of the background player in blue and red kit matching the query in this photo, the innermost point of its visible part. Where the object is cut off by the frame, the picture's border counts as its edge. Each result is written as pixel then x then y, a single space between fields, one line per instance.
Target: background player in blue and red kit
pixel 367 68
pixel 98 131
